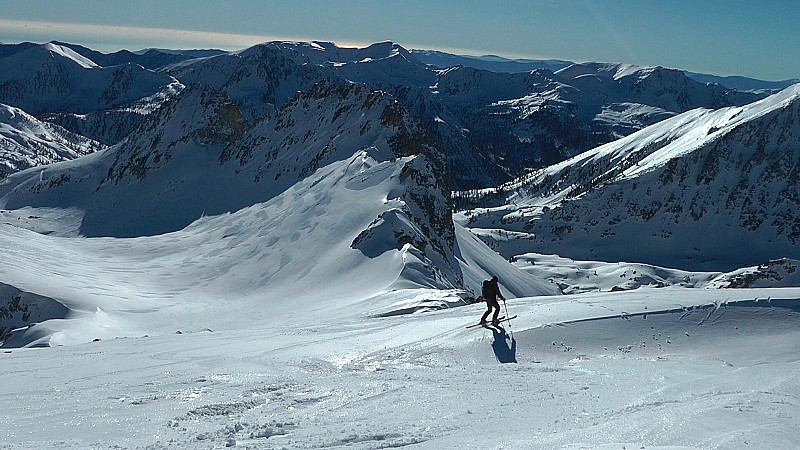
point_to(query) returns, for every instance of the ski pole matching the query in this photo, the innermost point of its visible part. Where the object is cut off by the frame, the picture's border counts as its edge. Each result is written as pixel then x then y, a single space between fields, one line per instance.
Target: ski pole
pixel 507 315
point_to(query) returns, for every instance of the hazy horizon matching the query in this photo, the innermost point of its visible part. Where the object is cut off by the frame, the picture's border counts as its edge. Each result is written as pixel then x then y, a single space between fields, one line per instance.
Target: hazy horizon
pixel 716 37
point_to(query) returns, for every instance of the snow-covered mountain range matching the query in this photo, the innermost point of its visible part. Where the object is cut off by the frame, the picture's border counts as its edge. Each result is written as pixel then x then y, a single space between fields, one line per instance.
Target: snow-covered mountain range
pixel 211 133
pixel 492 126
pixel 495 63
pixel 55 78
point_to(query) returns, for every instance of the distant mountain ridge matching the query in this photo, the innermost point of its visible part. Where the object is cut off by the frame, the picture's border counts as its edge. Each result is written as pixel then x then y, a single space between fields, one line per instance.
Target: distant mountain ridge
pixel 492 126
pixel 54 78
pixel 444 60
pixel 743 83
pixel 493 63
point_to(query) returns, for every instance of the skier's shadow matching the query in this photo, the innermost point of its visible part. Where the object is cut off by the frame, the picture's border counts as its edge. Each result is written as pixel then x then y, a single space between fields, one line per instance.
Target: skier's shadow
pixel 504 345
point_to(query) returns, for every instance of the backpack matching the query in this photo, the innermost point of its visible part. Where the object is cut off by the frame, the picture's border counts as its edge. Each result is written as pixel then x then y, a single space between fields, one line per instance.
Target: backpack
pixel 486 289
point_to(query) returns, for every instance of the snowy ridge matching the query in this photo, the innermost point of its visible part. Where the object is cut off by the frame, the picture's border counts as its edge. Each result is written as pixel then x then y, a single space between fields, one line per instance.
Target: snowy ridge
pixel 487 62
pixel 654 146
pixel 776 273
pixel 330 53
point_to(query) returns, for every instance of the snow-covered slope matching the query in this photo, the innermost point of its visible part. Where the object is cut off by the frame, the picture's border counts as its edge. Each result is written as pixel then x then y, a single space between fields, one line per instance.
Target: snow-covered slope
pixel 714 189
pixel 667 368
pixel 27 142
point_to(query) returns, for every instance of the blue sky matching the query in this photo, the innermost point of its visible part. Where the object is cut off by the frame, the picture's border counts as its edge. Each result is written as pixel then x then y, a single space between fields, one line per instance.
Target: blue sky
pixel 754 38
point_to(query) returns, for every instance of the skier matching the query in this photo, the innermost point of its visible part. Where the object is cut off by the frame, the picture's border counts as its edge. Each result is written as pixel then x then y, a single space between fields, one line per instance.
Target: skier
pixel 490 291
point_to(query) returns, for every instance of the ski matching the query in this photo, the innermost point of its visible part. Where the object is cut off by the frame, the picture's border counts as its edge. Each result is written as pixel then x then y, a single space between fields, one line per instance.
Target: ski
pixel 489 323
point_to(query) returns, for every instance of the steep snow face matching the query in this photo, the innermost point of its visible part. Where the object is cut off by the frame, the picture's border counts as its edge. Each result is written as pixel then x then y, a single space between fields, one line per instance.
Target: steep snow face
pixel 27 142
pixel 49 78
pixel 654 196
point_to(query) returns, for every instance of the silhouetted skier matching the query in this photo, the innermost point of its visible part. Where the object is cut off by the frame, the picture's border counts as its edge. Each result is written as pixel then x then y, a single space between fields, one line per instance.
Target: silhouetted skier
pixel 490 291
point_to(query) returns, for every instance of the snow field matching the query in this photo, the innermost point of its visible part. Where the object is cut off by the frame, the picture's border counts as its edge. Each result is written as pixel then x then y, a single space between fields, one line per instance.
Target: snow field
pixel 712 377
